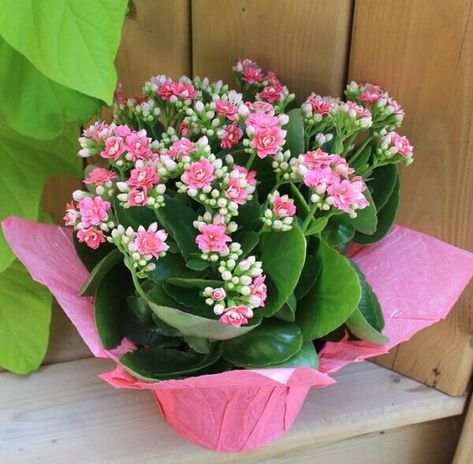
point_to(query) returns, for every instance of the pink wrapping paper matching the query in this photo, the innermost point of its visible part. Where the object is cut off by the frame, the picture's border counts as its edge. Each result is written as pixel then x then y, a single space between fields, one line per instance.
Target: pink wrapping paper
pixel 416 277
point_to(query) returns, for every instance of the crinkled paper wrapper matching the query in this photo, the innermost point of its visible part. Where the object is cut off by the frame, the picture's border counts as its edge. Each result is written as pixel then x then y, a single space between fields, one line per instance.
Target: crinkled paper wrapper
pixel 417 279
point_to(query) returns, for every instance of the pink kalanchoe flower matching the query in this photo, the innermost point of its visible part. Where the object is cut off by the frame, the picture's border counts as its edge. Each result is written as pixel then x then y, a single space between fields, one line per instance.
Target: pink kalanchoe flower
pixel 137 197
pixel 261 107
pixel 166 90
pixel 91 236
pixel 97 131
pixel 180 148
pixel 236 315
pixel 319 105
pixel 371 93
pixel 346 195
pixel 259 289
pixel 212 238
pixel 231 136
pixel 268 141
pixel 226 108
pixel 93 211
pixel 400 143
pixel 183 130
pixel 137 145
pixel 236 192
pixel 261 121
pixel 283 206
pixel 319 178
pixel 218 294
pixel 251 72
pixel 319 159
pixel 114 147
pixel 199 175
pixel 250 175
pixel 360 112
pixel 71 216
pixel 274 91
pixel 100 176
pixel 396 108
pixel 184 91
pixel 151 243
pixel 145 178
pixel 122 131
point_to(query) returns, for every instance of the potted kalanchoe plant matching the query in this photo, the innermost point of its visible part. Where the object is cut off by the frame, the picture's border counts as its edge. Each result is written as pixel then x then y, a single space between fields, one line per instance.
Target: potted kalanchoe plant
pixel 216 227
pixel 218 210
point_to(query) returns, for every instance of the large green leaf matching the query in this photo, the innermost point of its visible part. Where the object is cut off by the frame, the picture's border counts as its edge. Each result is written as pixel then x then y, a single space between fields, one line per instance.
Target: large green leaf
pixel 34 105
pixel 190 324
pixel 382 184
pixel 24 165
pixel 177 218
pixel 338 232
pixel 71 42
pixel 273 342
pixel 100 270
pixel 25 314
pixel 359 326
pixel 305 357
pixel 386 217
pixel 171 265
pixel 283 256
pixel 366 220
pixel 157 363
pixel 110 304
pixel 332 299
pixel 295 132
pixel 185 282
pixel 309 275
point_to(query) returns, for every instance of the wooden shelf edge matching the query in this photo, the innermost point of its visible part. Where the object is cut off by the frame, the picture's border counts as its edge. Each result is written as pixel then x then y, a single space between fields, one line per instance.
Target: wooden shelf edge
pixel 65 410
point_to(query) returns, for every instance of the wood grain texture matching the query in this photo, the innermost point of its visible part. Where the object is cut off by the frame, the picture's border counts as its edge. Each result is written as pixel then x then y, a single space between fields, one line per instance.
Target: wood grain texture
pixel 156 40
pixel 421 51
pixel 305 42
pixel 65 413
pixel 464 451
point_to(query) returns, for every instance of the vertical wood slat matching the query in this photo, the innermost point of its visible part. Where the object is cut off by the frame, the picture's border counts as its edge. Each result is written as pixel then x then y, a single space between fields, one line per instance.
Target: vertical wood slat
pixel 464 451
pixel 305 42
pixel 155 40
pixel 421 51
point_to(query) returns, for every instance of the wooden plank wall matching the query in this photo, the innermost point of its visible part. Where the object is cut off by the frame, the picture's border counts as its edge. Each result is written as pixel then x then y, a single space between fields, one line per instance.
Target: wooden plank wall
pixel 419 50
pixel 422 52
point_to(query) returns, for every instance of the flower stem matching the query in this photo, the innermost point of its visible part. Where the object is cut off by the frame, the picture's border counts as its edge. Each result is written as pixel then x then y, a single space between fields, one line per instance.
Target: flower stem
pixel 250 161
pixel 309 217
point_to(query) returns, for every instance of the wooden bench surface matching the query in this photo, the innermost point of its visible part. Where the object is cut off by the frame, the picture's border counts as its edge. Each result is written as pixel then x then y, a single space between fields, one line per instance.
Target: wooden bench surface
pixel 65 413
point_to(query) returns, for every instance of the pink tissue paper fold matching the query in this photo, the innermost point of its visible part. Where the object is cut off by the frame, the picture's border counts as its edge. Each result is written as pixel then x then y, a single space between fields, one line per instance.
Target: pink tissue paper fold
pixel 417 279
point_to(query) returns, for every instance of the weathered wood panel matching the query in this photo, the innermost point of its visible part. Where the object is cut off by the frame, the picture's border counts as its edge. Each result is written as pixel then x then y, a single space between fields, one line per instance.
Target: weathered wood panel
pixel 305 42
pixel 421 51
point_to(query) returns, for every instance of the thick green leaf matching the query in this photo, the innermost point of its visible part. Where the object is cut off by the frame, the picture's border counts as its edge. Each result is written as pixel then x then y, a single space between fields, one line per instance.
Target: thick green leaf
pixel 157 363
pixel 382 184
pixel 305 357
pixel 178 218
pixel 189 298
pixel 248 239
pixel 171 265
pixel 283 256
pixel 361 157
pixel 359 326
pixel 100 270
pixel 134 216
pixel 308 277
pixel 197 264
pixel 24 165
pixel 338 232
pixel 184 282
pixel 25 314
pixel 190 324
pixel 369 304
pixel 200 345
pixel 332 299
pixel 273 342
pixel 34 105
pixel 386 218
pixel 72 43
pixel 110 303
pixel 249 216
pixel 139 309
pixel 318 226
pixel 295 132
pixel 287 313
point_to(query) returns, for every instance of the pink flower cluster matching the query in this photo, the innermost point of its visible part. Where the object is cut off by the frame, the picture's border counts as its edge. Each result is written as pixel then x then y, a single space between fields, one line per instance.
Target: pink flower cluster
pixel 212 238
pixel 249 71
pixel 392 144
pixel 173 91
pixel 266 136
pixel 328 176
